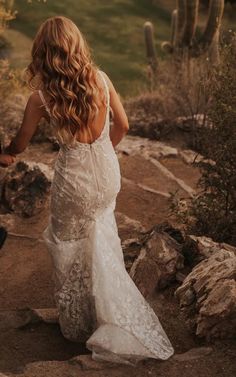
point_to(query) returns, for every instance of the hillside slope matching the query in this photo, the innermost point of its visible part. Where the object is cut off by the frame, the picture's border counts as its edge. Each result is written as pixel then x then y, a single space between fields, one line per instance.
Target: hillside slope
pixel 114 30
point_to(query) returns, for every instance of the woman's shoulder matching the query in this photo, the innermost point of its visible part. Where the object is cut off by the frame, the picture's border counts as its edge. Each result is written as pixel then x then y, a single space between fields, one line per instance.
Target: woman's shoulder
pixel 105 75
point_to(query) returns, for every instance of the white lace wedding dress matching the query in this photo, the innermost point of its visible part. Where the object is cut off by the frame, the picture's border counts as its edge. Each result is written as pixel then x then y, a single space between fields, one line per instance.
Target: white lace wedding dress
pixel 98 302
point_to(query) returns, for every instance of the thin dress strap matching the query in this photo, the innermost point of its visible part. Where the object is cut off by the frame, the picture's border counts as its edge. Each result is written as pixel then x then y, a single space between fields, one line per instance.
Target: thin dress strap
pixel 106 87
pixel 44 101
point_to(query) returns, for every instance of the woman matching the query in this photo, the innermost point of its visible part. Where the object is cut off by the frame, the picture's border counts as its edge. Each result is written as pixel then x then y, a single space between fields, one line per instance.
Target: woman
pixel 97 300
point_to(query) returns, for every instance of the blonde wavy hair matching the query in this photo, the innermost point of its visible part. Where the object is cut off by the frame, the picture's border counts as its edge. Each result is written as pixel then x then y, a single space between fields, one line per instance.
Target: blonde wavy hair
pixel 62 66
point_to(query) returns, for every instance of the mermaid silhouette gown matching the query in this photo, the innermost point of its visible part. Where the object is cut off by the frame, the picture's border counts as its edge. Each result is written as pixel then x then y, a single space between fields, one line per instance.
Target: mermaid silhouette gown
pixel 97 300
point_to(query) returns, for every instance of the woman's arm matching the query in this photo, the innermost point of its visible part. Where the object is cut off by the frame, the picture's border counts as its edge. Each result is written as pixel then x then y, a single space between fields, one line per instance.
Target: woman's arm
pixel 121 124
pixel 34 111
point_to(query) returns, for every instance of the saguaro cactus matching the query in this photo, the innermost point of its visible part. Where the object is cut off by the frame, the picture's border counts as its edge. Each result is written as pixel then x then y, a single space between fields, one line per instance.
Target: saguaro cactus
pixel 186 23
pixel 150 46
pixel 151 53
pixel 183 33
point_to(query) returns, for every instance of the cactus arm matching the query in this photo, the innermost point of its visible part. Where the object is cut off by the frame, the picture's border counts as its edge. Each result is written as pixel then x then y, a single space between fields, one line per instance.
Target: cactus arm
pixel 150 47
pixel 214 52
pixel 191 11
pixel 174 27
pixel 180 5
pixel 216 10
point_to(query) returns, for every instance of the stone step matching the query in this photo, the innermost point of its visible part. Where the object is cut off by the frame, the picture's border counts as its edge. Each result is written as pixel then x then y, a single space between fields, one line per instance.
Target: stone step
pixel 150 173
pixel 187 173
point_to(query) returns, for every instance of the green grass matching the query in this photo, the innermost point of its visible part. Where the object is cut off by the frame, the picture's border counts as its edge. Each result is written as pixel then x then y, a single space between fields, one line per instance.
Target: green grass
pixel 113 28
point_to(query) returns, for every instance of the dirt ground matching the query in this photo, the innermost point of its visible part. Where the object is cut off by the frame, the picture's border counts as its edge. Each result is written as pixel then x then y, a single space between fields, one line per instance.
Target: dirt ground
pixel 39 349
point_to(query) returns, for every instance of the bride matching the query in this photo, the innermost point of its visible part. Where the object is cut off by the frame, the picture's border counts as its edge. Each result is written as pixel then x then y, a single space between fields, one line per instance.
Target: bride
pixel 97 300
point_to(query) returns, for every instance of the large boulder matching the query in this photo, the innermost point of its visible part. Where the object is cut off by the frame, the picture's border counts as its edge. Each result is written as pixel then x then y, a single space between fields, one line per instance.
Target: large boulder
pixel 207 296
pixel 25 189
pixel 159 260
pixel 45 133
pixel 195 249
pixel 11 111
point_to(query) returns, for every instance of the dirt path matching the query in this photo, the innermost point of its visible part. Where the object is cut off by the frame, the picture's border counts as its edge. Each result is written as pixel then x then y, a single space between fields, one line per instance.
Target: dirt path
pixel 34 348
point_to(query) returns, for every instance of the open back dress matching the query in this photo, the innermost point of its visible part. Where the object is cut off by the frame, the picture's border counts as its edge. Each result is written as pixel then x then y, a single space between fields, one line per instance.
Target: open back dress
pixel 97 300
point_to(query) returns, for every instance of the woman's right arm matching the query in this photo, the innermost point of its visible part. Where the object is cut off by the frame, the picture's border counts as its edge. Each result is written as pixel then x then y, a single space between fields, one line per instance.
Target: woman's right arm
pixel 121 124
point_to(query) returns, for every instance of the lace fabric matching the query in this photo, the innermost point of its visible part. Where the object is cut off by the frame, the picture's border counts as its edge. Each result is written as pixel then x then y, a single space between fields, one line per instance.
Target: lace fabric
pixel 98 302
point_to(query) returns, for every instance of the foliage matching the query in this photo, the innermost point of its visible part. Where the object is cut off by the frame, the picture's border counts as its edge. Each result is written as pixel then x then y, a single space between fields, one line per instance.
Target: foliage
pixel 6 13
pixel 11 111
pixel 10 80
pixel 212 211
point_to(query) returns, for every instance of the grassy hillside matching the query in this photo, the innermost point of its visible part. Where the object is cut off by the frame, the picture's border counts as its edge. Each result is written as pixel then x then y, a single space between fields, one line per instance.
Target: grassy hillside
pixel 113 28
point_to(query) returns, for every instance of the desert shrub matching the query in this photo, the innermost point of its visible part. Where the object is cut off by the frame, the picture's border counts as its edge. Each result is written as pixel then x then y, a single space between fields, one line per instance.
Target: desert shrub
pixel 212 211
pixel 180 93
pixel 13 95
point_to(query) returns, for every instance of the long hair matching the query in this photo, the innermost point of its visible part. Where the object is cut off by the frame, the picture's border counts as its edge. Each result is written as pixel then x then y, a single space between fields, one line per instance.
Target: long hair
pixel 62 65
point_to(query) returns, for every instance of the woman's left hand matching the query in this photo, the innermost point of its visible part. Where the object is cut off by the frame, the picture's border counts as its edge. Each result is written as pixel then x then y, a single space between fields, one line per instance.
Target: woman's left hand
pixel 6 160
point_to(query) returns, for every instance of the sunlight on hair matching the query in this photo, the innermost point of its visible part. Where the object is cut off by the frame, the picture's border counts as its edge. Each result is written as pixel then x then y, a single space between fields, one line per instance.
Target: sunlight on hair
pixel 62 66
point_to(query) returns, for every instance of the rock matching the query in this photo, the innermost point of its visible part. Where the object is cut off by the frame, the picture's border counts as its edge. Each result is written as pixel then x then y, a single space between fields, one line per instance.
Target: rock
pixel 43 133
pixel 196 249
pixel 26 189
pixel 12 111
pixel 45 169
pixel 8 221
pixel 131 145
pixel 131 250
pixel 180 277
pixel 192 354
pixel 125 223
pixel 207 296
pixel 49 315
pixel 87 363
pixel 169 229
pixel 159 260
pixel 190 157
pixel 14 319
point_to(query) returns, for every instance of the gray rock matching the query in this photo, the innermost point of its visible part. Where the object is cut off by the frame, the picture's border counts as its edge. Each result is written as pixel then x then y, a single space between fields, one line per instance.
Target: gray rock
pixel 196 249
pixel 192 354
pixel 87 363
pixel 159 260
pixel 207 296
pixel 26 189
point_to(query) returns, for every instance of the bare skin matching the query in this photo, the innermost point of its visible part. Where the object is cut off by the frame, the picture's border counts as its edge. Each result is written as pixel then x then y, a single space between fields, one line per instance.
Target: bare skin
pixel 6 160
pixel 35 110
